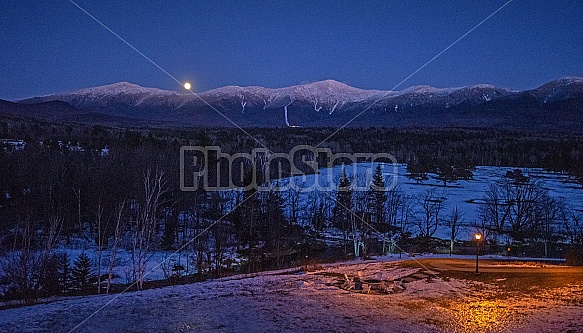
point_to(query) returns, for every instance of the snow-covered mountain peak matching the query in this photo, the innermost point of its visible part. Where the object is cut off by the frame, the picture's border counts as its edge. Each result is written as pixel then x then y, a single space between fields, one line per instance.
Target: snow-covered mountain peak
pixel 237 90
pixel 570 83
pixel 122 88
pixel 570 80
pixel 329 85
pixel 483 86
pixel 421 88
pixel 329 90
pixel 426 89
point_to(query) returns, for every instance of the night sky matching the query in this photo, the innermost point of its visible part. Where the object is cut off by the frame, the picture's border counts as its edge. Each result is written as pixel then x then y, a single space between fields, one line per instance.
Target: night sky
pixel 52 46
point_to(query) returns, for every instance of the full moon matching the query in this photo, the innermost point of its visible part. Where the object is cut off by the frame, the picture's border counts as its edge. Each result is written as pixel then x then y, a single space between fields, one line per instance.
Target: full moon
pixel 187 86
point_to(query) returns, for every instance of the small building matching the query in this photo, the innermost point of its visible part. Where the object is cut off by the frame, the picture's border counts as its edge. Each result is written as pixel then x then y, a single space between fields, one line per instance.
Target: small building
pixel 12 144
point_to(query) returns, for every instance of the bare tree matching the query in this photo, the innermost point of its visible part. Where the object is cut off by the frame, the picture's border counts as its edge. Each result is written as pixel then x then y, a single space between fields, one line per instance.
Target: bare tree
pixel 360 222
pixel 54 231
pixel 394 204
pixel 430 205
pixel 454 224
pixel 22 266
pixel 116 242
pixel 573 224
pixel 101 238
pixel 221 232
pixel 547 218
pixel 495 210
pixel 513 206
pixel 522 199
pixel 77 192
pixel 145 223
pixel 406 213
pixel 293 201
pixel 317 210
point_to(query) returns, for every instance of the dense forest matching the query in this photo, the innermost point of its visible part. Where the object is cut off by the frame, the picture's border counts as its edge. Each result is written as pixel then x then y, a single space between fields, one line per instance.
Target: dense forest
pixel 120 188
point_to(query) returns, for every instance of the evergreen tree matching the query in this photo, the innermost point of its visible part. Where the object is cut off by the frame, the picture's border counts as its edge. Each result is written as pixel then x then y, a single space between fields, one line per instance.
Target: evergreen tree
pixel 449 172
pixel 65 274
pixel 170 227
pixel 319 215
pixel 81 273
pixel 221 233
pixel 417 169
pixel 517 177
pixel 248 219
pixel 342 213
pixel 49 274
pixel 279 237
pixel 377 196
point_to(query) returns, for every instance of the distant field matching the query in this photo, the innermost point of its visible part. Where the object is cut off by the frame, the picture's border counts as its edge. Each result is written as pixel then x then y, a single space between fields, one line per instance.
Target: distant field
pixel 465 194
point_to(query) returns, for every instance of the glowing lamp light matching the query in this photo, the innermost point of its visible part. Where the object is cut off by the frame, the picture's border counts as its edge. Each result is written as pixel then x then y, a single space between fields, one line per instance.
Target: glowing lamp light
pixel 477 237
pixel 187 86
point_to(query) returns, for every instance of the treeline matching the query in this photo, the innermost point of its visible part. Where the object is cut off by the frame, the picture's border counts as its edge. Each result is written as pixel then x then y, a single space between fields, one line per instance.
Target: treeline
pixel 461 146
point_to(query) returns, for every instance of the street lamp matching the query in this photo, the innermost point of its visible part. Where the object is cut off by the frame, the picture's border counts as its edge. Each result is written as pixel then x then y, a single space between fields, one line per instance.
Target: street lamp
pixel 477 237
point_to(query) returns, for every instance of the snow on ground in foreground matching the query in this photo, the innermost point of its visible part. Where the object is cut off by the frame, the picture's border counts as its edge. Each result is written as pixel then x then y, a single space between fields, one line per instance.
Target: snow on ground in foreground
pixel 308 303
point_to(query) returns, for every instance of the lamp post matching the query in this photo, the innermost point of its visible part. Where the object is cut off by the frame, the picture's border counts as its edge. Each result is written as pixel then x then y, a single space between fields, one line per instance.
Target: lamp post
pixel 477 237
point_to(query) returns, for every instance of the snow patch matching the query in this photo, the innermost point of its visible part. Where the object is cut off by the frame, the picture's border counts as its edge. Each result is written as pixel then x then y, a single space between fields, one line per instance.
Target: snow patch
pixel 285 110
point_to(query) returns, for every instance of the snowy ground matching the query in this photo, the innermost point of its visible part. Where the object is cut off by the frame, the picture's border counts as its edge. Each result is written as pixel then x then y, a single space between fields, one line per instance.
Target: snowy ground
pixel 464 194
pixel 123 268
pixel 288 302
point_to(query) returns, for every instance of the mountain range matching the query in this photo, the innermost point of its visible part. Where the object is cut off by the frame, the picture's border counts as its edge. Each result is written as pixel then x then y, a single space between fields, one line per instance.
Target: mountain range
pixel 556 105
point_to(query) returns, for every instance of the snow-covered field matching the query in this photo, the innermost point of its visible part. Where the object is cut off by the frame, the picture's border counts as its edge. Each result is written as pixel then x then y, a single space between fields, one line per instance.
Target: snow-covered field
pixel 310 302
pixel 464 194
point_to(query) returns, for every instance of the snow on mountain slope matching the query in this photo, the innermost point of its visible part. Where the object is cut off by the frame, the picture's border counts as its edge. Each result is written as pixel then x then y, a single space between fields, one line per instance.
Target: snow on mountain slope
pixel 332 103
pixel 121 88
pixel 119 99
pixel 327 95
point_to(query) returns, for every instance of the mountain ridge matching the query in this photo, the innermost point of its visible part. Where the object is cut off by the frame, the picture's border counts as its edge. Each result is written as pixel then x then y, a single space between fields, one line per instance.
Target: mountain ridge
pixel 332 103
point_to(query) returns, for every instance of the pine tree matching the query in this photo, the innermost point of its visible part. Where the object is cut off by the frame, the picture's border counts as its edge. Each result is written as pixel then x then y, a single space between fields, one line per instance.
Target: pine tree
pixel 417 169
pixel 248 220
pixel 170 226
pixel 49 275
pixel 449 172
pixel 276 226
pixel 342 213
pixel 377 196
pixel 220 232
pixel 65 275
pixel 81 273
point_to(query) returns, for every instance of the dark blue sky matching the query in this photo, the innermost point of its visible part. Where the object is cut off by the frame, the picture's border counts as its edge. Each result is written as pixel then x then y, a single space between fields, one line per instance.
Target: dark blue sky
pixel 52 46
